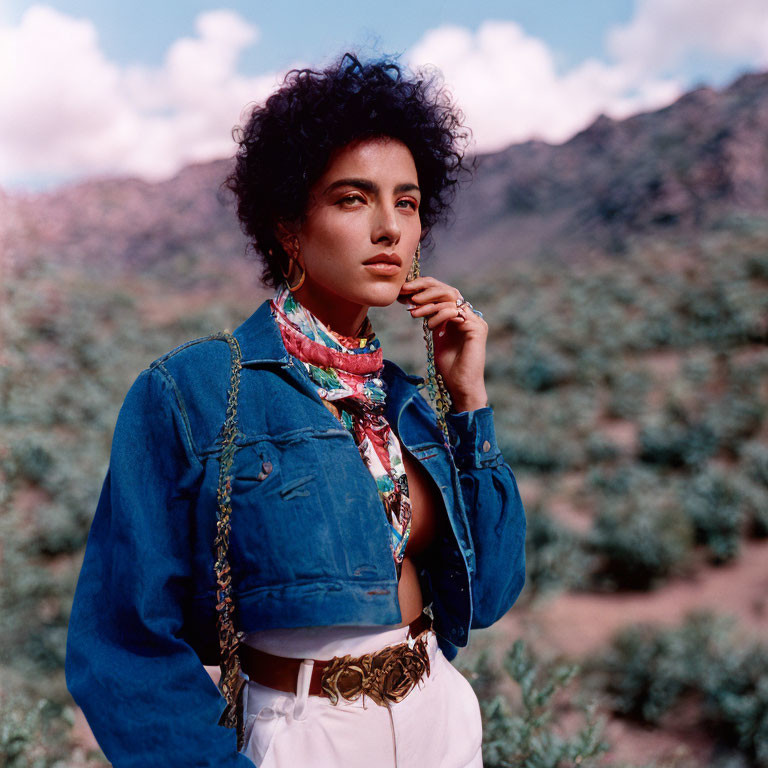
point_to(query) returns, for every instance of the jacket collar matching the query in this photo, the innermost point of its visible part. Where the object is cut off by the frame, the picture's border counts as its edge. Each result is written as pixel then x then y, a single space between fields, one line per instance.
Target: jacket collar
pixel 261 344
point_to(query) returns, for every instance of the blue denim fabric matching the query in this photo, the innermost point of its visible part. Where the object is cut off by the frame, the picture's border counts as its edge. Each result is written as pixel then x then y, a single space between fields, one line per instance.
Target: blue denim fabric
pixel 309 543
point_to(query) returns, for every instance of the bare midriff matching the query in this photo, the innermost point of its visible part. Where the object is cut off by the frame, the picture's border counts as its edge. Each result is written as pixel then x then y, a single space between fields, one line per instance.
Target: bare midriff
pixel 426 504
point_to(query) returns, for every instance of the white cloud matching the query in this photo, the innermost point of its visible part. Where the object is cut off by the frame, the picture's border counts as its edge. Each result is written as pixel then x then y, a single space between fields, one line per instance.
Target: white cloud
pixel 663 33
pixel 67 111
pixel 507 85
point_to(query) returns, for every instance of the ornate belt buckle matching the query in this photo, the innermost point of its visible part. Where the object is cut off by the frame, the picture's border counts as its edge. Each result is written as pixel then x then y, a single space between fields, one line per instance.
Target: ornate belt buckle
pixel 386 676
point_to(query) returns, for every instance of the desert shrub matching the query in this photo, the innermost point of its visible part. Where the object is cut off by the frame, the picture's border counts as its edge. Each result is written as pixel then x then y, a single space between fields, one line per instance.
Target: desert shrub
pixel 526 735
pixel 757 267
pixel 755 457
pixel 554 556
pixel 56 531
pixel 752 499
pixel 737 700
pixel 648 672
pixel 661 327
pixel 537 368
pixel 620 480
pixel 35 732
pixel 639 534
pixel 34 605
pixel 640 539
pixel 599 448
pixel 710 315
pixel 543 453
pixel 713 505
pixel 32 458
pixel 627 393
pixel 674 440
pixel 699 367
pixel 21 738
pixel 754 485
pixel 734 418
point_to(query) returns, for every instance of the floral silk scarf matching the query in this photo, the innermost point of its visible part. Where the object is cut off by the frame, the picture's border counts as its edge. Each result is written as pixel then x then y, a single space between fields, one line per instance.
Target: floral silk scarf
pixel 345 371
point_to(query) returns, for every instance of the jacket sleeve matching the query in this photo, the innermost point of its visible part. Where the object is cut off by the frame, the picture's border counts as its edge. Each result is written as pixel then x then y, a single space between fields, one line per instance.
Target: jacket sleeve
pixel 494 512
pixel 141 686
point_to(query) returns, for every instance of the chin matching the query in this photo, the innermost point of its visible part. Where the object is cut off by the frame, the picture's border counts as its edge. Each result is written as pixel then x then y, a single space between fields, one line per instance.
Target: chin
pixel 383 297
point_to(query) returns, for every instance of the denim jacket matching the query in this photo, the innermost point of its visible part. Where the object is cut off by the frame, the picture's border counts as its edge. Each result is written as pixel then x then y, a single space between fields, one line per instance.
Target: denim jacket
pixel 309 539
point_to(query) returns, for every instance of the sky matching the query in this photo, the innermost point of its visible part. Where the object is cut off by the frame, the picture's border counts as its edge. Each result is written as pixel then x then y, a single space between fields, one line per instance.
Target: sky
pixel 97 88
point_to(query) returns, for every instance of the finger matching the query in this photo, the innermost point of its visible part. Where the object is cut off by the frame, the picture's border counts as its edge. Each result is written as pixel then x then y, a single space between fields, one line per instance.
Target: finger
pixel 420 282
pixel 444 315
pixel 435 294
pixel 428 309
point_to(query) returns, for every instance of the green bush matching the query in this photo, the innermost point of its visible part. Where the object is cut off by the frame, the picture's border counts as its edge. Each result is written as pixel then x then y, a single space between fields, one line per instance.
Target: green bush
pixel 537 369
pixel 649 672
pixel 639 533
pixel 34 732
pixel 733 419
pixel 757 267
pixel 527 736
pixel 752 499
pixel 628 392
pixel 755 456
pixel 555 557
pixel 640 540
pixel 32 459
pixel 599 448
pixel 56 532
pixel 536 452
pixel 713 506
pixel 671 441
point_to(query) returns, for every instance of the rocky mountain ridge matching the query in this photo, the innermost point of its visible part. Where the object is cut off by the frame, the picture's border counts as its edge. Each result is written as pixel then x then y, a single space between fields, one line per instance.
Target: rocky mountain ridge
pixel 692 164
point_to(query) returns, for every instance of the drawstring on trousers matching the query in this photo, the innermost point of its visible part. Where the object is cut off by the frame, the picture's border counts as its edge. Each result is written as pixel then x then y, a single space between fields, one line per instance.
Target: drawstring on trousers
pixel 302 689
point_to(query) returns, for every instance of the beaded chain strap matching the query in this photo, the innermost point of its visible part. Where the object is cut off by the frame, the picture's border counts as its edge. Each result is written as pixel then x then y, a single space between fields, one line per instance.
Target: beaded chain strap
pixel 436 388
pixel 231 681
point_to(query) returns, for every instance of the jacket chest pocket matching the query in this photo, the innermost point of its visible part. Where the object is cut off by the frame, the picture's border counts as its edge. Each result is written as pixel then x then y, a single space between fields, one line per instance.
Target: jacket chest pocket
pixel 304 507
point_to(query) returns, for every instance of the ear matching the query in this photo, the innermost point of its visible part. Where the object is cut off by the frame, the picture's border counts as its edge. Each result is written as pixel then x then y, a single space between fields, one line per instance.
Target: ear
pixel 287 236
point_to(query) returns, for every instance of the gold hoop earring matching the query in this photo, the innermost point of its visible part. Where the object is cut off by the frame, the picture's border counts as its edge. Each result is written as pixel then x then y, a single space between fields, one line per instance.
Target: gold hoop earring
pixel 294 260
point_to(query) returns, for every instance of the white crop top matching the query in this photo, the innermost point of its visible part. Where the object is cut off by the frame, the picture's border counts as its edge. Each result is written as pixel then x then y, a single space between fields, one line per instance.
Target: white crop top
pixel 326 642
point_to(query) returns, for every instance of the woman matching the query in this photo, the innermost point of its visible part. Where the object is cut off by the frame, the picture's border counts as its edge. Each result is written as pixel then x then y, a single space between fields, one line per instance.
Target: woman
pixel 286 503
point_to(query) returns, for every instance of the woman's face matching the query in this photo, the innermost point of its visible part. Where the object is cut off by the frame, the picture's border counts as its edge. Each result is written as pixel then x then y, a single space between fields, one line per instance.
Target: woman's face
pixel 365 205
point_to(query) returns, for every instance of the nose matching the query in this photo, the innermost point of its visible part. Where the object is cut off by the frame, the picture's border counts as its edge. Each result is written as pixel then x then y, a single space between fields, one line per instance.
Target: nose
pixel 385 227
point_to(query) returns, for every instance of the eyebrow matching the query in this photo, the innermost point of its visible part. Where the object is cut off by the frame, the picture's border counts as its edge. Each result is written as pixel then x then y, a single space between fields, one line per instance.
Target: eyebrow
pixel 368 186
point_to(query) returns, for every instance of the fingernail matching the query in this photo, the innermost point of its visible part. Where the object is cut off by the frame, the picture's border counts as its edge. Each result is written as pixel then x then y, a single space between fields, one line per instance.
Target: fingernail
pixel 411 305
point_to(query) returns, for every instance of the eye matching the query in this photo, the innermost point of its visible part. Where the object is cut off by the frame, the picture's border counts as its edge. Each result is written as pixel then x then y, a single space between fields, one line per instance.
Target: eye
pixel 350 199
pixel 409 202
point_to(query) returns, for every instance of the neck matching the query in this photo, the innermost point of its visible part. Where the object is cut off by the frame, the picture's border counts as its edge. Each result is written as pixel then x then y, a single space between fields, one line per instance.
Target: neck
pixel 343 317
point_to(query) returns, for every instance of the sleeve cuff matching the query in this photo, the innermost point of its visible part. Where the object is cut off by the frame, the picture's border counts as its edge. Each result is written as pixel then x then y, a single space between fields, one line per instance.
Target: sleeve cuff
pixel 473 438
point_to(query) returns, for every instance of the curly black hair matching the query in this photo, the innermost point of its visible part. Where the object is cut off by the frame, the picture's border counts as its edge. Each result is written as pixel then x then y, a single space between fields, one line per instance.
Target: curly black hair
pixel 286 143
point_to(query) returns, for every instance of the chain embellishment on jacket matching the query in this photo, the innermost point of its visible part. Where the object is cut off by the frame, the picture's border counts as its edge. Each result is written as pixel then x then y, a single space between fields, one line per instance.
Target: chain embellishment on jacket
pixel 231 680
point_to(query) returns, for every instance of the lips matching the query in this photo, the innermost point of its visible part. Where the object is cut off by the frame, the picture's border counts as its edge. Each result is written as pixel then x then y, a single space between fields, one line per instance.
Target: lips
pixel 385 258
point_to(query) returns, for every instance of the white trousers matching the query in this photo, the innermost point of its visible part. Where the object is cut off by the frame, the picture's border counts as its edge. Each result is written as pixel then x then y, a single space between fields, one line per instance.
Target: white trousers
pixel 437 725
